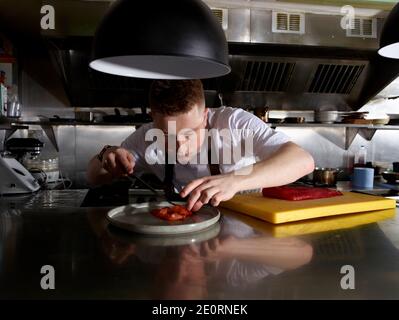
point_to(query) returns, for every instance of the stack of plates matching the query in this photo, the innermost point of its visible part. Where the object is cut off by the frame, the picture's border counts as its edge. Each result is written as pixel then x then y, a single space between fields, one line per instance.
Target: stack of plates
pixel 360 118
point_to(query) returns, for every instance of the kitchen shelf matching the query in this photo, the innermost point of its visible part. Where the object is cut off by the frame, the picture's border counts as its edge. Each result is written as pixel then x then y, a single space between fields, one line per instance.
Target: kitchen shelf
pixel 48 127
pixel 336 125
pixel 79 123
pixel 344 140
pixel 7 126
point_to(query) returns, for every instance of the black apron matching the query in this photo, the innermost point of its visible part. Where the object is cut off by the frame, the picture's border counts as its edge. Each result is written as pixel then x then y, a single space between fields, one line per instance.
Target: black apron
pixel 170 169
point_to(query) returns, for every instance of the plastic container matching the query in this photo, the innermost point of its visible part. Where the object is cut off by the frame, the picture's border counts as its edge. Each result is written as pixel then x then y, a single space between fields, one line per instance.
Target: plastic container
pixel 363 178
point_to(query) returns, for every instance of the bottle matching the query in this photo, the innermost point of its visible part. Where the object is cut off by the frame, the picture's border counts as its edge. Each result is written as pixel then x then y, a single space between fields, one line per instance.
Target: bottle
pixel 349 160
pixel 361 157
pixel 3 100
pixel 2 77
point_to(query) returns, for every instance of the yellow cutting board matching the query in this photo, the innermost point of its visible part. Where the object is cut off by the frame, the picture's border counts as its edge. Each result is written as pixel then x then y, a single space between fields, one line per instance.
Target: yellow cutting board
pixel 311 226
pixel 281 211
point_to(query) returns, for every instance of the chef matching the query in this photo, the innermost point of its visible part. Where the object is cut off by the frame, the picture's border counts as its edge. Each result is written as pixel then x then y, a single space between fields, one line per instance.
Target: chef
pixel 205 155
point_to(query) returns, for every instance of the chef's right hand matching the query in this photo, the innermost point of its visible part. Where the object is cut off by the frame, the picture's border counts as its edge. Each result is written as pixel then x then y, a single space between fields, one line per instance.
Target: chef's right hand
pixel 118 161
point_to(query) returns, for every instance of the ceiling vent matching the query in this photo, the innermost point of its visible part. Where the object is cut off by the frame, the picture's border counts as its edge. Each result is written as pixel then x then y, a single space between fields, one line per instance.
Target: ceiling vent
pixel 266 76
pixel 335 78
pixel 284 22
pixel 222 16
pixel 363 28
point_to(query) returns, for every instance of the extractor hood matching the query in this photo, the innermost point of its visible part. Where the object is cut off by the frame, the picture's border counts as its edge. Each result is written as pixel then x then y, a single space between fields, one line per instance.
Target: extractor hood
pixel 281 57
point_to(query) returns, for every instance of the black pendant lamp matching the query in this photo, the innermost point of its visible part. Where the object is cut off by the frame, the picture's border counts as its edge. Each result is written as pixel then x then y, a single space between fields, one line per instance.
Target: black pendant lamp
pixel 161 39
pixel 389 43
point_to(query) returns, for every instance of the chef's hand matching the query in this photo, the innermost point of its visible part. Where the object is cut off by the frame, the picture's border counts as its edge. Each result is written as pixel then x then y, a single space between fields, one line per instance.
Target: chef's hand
pixel 213 190
pixel 118 161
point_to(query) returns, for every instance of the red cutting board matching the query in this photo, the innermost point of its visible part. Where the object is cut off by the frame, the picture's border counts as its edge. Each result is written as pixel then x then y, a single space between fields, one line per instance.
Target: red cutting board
pixel 280 211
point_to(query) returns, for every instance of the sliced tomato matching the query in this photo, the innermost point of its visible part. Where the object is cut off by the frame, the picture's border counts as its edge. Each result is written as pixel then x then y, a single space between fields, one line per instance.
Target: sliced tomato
pixel 175 217
pixel 174 213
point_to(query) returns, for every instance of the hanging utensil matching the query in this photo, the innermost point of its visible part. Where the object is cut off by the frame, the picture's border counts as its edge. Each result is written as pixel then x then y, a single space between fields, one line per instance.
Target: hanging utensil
pixel 220 96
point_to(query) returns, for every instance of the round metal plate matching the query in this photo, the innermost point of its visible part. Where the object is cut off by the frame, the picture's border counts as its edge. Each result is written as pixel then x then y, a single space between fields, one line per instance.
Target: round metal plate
pixel 137 218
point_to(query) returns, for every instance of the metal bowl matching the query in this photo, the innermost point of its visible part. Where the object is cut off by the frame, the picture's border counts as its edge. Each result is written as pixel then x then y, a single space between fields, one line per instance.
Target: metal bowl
pixel 325 176
pixel 391 177
pixel 326 116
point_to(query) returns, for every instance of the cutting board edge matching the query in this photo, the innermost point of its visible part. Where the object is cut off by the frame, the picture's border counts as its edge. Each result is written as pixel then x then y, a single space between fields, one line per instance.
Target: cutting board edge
pixel 381 215
pixel 368 207
pixel 284 216
pixel 377 204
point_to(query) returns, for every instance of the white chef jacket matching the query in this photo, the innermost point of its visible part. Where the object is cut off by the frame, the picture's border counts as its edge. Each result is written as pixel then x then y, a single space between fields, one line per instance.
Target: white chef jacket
pixel 242 124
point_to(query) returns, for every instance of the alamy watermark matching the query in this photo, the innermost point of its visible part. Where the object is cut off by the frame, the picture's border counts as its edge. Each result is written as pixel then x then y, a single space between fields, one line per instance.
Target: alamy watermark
pixel 188 146
pixel 348 280
pixel 47 20
pixel 48 279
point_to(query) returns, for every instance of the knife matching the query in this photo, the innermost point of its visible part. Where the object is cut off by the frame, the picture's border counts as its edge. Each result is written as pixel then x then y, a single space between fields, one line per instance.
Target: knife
pixel 132 176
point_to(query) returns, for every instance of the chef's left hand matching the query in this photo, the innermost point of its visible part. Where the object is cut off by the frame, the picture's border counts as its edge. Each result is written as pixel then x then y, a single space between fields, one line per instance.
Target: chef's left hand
pixel 212 189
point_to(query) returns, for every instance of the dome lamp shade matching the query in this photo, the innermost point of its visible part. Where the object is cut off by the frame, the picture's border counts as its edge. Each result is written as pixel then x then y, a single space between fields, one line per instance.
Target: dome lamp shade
pixel 158 39
pixel 389 42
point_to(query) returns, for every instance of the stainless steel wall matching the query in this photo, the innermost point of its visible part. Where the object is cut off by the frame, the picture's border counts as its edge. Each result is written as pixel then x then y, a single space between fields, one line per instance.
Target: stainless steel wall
pixel 77 145
pixel 384 147
pixel 255 25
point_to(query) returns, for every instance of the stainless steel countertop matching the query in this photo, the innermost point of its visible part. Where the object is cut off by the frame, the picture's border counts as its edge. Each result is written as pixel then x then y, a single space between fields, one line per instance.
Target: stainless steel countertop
pixel 245 259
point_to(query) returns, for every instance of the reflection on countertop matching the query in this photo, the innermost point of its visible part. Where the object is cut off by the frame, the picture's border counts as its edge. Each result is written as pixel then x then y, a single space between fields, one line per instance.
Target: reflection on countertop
pixel 239 258
pixel 45 199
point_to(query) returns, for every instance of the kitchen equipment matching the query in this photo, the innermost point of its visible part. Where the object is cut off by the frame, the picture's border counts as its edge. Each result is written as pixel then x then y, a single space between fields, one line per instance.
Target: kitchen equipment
pixel 353 117
pixel 354 114
pixel 294 120
pixel 363 177
pixel 393 119
pixel 56 118
pixel 14 109
pixel 133 176
pixel 380 121
pixel 3 100
pixel 363 118
pixel 356 121
pixel 119 118
pixel 15 178
pixel 48 166
pixel 193 46
pixel 84 116
pixel 275 120
pixel 281 211
pixel 326 116
pixel 21 146
pixel 389 38
pixel 378 168
pixel 391 177
pixel 325 176
pixel 137 218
